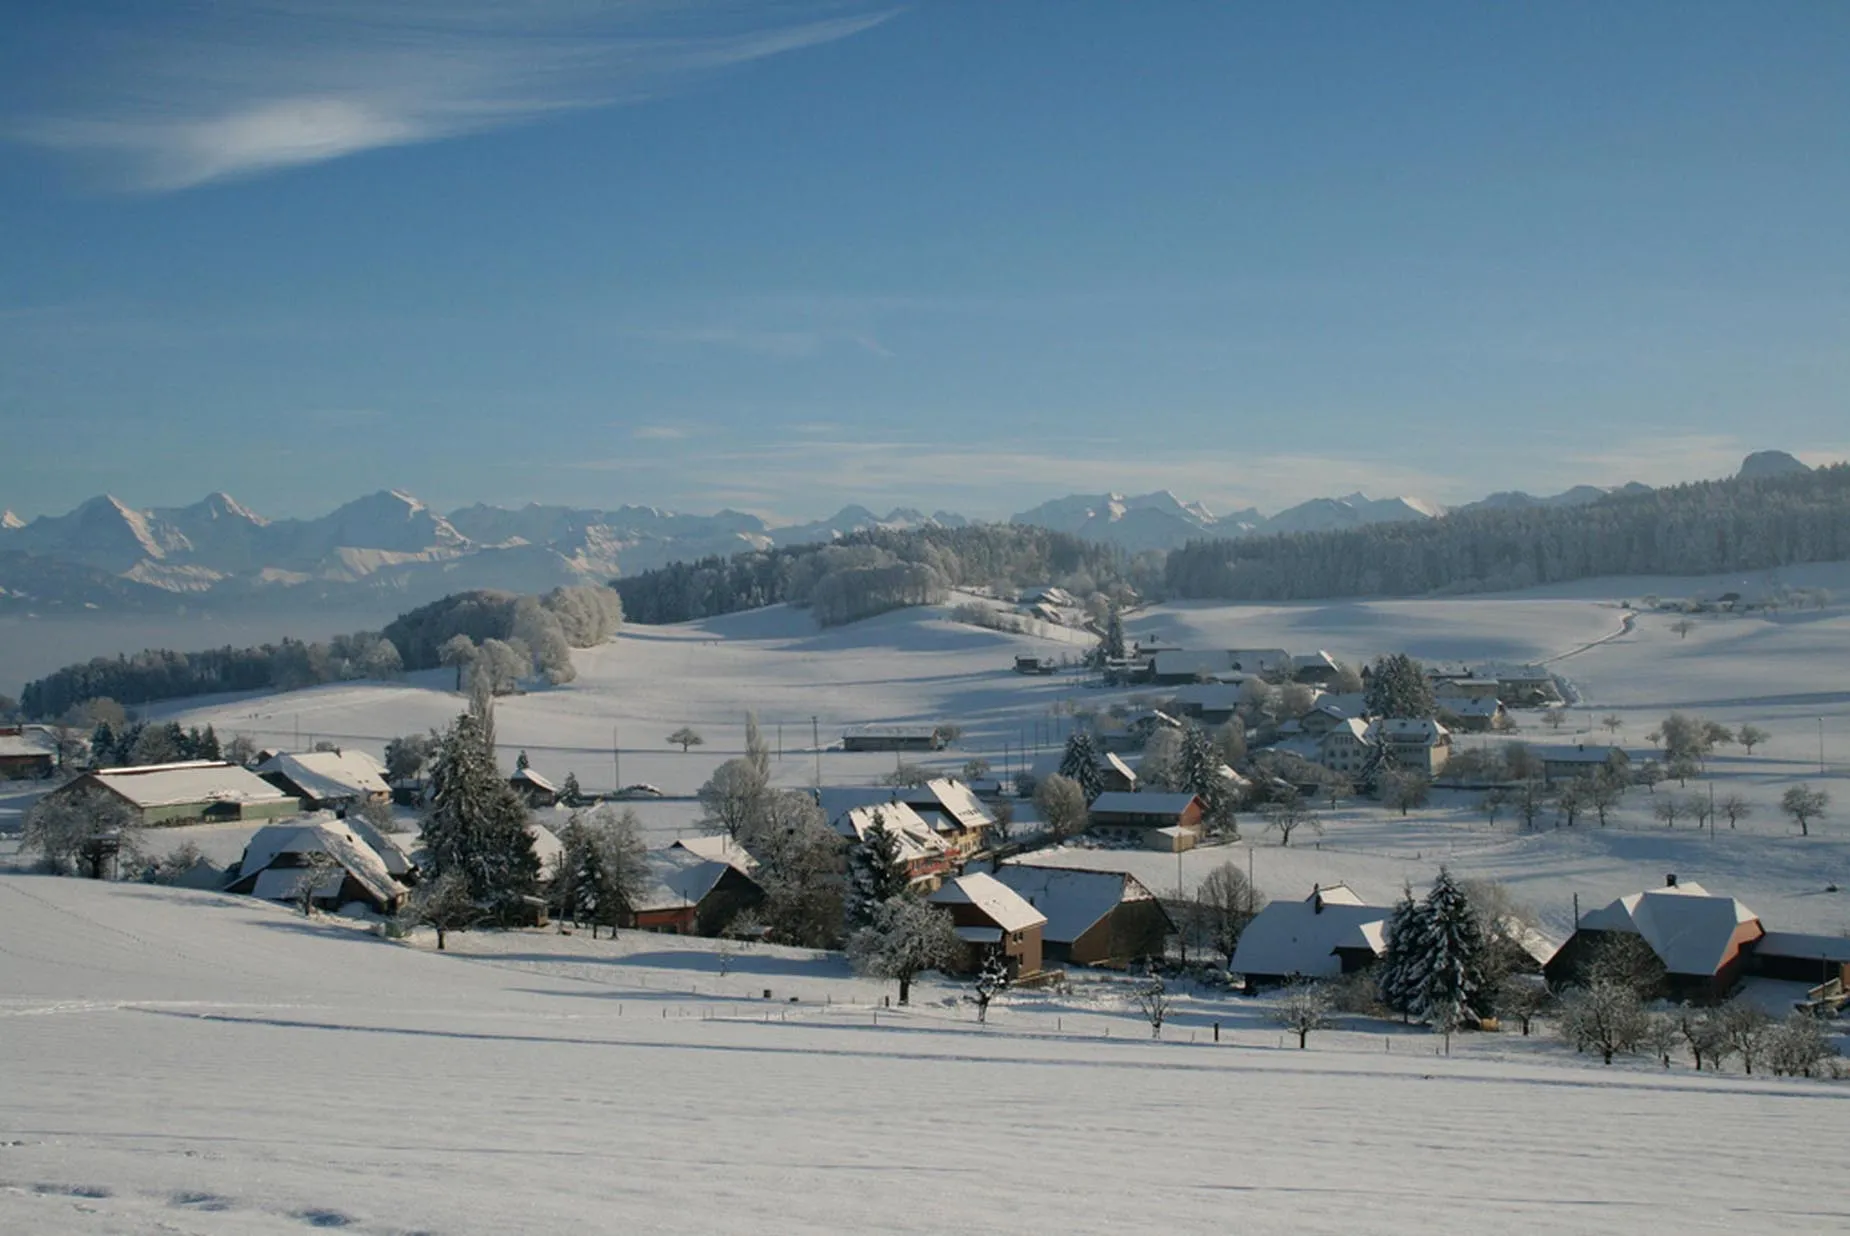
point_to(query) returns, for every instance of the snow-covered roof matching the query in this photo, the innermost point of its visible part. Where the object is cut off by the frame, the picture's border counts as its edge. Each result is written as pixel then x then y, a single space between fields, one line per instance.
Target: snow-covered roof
pixel 1408 730
pixel 1301 937
pixel 1149 802
pixel 316 834
pixel 1580 754
pixel 1350 727
pixel 950 798
pixel 528 776
pixel 192 781
pixel 1480 706
pixel 891 731
pixel 1341 704
pixel 718 848
pixel 328 776
pixel 999 903
pixel 546 845
pixel 677 878
pixel 1208 696
pixel 916 838
pixel 1073 900
pixel 1314 660
pixel 27 740
pixel 397 858
pixel 1690 930
pixel 1801 944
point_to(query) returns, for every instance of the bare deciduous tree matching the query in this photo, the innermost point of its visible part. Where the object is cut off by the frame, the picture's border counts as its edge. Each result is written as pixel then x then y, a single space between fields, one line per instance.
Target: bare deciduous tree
pixel 1301 1008
pixel 1804 805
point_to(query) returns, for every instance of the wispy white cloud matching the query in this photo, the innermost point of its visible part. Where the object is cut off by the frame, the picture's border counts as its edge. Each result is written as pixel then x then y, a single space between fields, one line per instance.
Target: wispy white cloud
pixel 661 433
pixel 224 91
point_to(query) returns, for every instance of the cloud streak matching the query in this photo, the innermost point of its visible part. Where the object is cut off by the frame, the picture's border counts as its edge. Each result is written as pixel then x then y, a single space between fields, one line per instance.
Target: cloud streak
pixel 223 92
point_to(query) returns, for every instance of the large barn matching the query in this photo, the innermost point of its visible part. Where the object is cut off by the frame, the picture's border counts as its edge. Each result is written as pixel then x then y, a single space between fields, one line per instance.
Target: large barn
pixel 187 792
pixel 1094 918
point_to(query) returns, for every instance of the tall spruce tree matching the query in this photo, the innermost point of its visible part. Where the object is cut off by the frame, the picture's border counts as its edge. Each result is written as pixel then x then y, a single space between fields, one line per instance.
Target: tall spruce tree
pixel 1114 636
pixel 476 825
pixel 1397 687
pixel 876 873
pixel 1452 990
pixel 1400 975
pixel 1081 763
pixel 1198 769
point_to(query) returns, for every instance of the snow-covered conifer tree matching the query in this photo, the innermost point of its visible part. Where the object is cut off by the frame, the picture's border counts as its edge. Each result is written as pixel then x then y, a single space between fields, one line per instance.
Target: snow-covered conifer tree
pixel 1080 763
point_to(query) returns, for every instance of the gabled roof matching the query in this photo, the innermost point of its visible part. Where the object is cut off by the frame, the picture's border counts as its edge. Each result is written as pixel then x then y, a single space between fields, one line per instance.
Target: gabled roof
pixel 1690 930
pixel 1124 802
pixel 1341 705
pixel 718 848
pixel 1352 727
pixel 916 839
pixel 1408 730
pixel 950 798
pixel 389 848
pixel 529 777
pixel 192 781
pixel 316 834
pixel 1480 706
pixel 546 846
pixel 1301 937
pixel 1072 899
pixel 27 740
pixel 327 776
pixel 677 878
pixel 1803 945
pixel 998 903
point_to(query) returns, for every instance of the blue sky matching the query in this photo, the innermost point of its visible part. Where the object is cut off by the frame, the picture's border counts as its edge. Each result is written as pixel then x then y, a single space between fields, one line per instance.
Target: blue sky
pixel 966 255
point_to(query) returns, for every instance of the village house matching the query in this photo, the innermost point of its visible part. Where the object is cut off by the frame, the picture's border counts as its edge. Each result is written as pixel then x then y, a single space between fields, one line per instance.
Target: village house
pixel 1114 773
pixel 328 780
pixel 1330 933
pixel 1029 664
pixel 989 916
pixel 1702 940
pixel 1416 744
pixel 1330 709
pixel 1094 918
pixel 27 752
pixel 1211 703
pixel 1346 748
pixel 1446 689
pixel 690 894
pixel 321 848
pixel 922 737
pixel 1475 715
pixel 187 792
pixel 1167 822
pixel 926 856
pixel 536 791
pixel 1570 763
pixel 1314 668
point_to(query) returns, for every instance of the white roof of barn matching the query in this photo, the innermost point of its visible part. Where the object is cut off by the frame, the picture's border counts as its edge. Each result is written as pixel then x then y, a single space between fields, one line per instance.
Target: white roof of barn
pixel 1688 928
pixel 1211 696
pixel 1800 944
pixel 718 848
pixel 316 834
pixel 1480 706
pixel 678 877
pixel 1192 661
pixel 31 740
pixel 329 775
pixel 397 858
pixel 1125 802
pixel 546 845
pixel 999 903
pixel 194 781
pixel 1073 900
pixel 1297 937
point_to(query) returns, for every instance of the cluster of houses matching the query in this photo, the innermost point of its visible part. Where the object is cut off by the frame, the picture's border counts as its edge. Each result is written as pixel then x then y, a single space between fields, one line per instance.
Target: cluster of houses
pixel 1706 943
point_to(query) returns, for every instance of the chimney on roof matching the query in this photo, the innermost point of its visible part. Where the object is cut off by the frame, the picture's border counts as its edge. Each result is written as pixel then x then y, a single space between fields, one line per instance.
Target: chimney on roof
pixel 1670 880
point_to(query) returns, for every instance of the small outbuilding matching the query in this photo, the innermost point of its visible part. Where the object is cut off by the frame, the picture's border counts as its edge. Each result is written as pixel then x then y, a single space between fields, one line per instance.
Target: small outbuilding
pixel 690 895
pixel 536 790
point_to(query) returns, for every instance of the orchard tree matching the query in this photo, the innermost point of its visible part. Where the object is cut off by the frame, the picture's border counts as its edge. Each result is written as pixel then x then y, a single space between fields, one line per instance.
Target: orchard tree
pixel 1804 805
pixel 1225 903
pixel 732 795
pixel 1751 736
pixel 80 830
pixel 685 737
pixel 1736 808
pixel 1301 1008
pixel 991 981
pixel 1062 806
pixel 1286 814
pixel 907 937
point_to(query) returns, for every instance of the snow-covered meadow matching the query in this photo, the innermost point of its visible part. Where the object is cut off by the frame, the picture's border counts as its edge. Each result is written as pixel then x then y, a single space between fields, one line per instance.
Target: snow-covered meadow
pixel 185 1062
pixel 196 1063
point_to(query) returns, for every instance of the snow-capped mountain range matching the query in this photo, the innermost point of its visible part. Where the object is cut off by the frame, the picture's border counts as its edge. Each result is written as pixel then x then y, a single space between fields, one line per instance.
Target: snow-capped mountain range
pixel 390 546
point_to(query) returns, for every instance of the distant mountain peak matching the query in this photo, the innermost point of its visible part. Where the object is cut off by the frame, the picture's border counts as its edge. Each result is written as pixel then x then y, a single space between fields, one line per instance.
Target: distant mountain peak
pixel 1762 464
pixel 9 521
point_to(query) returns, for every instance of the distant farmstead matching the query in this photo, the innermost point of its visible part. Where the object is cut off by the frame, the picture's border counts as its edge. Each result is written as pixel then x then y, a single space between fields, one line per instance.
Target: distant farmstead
pixel 1094 918
pixel 893 738
pixel 27 751
pixel 335 780
pixel 188 792
pixel 1167 822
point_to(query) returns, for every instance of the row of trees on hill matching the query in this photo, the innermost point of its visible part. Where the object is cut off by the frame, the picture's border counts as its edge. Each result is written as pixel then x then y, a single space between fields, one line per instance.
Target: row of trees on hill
pixel 877 570
pixel 524 636
pixel 1698 529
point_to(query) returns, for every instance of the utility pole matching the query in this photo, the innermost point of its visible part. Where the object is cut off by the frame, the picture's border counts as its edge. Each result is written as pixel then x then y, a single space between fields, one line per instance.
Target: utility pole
pixel 815 738
pixel 616 755
pixel 1821 746
pixel 780 742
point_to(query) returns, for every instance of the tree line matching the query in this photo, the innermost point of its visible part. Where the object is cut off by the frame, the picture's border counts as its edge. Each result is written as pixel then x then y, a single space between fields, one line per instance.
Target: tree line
pixel 1703 528
pixel 541 631
pixel 877 570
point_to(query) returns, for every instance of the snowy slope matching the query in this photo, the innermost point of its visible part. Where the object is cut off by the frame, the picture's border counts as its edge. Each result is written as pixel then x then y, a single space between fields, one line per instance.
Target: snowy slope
pixel 188 1063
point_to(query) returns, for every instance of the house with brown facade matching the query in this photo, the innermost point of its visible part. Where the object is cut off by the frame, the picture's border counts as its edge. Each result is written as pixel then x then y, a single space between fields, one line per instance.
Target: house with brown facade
pixel 1155 821
pixel 1094 918
pixel 990 916
pixel 27 752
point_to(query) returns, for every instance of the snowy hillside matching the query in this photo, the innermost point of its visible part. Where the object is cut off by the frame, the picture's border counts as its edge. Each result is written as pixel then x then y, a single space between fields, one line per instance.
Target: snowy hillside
pixel 193 1063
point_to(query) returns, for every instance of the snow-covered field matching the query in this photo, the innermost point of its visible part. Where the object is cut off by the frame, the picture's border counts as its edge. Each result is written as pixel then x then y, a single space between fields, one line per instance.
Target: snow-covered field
pixel 174 1061
pixel 192 1063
